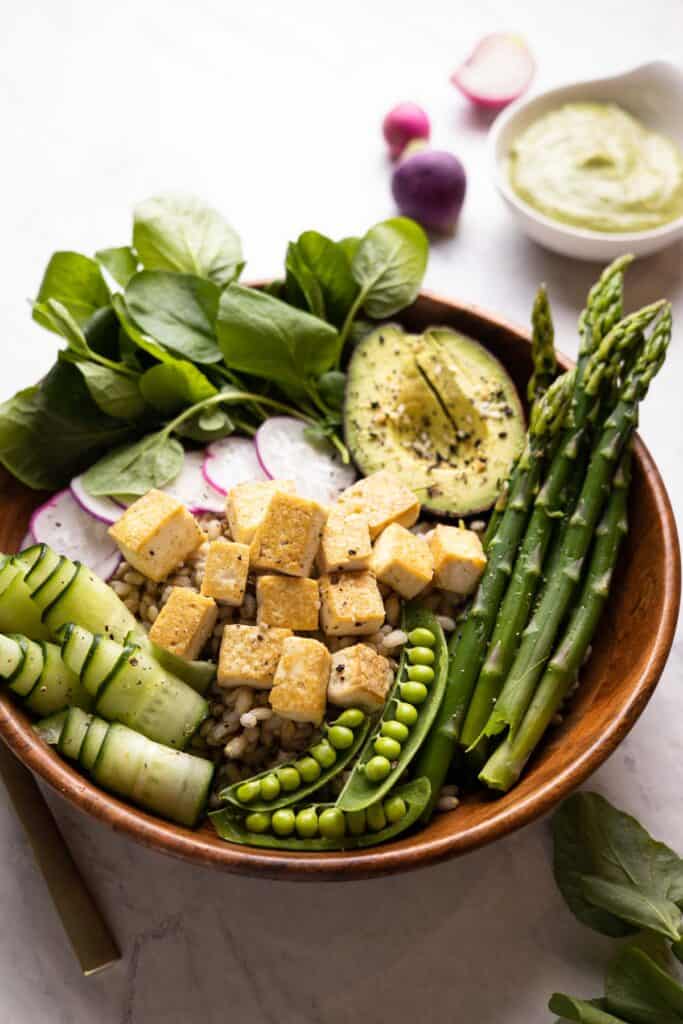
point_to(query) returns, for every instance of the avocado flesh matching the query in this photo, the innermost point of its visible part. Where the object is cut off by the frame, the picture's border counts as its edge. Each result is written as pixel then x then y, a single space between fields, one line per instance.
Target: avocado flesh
pixel 438 410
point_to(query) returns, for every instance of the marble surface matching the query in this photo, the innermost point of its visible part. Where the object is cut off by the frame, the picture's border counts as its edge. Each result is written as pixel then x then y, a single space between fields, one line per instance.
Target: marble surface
pixel 271 111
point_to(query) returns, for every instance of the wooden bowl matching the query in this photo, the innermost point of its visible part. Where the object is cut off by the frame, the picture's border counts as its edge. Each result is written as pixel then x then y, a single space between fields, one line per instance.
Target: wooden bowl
pixel 628 656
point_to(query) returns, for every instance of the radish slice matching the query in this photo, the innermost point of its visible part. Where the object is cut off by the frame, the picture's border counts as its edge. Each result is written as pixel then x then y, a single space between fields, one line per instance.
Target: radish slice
pixel 63 524
pixel 284 451
pixel 231 461
pixel 105 509
pixel 497 71
pixel 193 489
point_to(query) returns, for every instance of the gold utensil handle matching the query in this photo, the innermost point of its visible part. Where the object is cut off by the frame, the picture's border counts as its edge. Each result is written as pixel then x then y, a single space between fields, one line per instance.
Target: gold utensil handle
pixel 82 921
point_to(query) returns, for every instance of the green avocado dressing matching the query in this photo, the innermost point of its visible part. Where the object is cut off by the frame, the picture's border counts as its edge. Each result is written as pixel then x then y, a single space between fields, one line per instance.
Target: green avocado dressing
pixel 597 167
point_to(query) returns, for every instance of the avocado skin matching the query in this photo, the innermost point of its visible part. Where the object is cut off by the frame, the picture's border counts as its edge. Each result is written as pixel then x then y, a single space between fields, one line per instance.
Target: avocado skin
pixel 437 409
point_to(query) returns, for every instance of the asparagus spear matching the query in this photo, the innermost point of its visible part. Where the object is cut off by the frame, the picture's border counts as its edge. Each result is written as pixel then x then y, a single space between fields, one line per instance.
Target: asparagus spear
pixel 604 304
pixel 542 347
pixel 468 643
pixel 539 635
pixel 507 763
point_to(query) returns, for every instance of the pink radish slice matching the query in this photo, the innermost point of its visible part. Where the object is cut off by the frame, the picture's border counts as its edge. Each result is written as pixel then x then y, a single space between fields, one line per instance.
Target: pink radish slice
pixel 63 524
pixel 192 487
pixel 284 452
pixel 105 509
pixel 497 71
pixel 231 461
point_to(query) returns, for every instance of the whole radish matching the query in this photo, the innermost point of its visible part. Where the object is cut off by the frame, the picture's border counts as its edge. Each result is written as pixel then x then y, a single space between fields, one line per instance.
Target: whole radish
pixel 429 186
pixel 403 124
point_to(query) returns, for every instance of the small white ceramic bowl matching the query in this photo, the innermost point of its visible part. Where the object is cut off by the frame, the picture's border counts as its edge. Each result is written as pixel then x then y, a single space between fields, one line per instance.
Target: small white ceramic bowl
pixel 654 94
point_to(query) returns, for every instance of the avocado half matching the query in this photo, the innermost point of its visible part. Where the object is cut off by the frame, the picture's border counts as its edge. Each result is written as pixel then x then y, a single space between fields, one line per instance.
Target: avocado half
pixel 438 410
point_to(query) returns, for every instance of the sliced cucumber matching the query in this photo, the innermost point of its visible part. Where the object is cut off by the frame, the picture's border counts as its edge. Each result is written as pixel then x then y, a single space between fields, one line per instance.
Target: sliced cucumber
pixel 92 743
pixel 18 613
pixel 76 646
pixel 50 729
pixel 103 658
pixel 8 570
pixel 88 600
pixel 51 588
pixel 197 674
pixel 31 670
pixel 40 561
pixel 12 656
pixel 57 687
pixel 74 733
pixel 167 782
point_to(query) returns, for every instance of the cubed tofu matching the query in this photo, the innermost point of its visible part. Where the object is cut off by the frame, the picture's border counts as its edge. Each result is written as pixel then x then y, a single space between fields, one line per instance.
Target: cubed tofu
pixel 300 685
pixel 359 677
pixel 246 504
pixel 459 559
pixel 402 560
pixel 225 575
pixel 185 623
pixel 249 655
pixel 287 601
pixel 287 540
pixel 382 498
pixel 156 534
pixel 350 604
pixel 345 543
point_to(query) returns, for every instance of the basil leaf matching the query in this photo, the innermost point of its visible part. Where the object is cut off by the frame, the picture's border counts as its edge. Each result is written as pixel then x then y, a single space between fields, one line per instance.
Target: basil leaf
pixel 49 433
pixel 115 394
pixel 261 335
pixel 593 1012
pixel 120 263
pixel 322 270
pixel 76 282
pixel 180 233
pixel 178 311
pixel 613 875
pixel 389 265
pixel 641 992
pixel 136 468
pixel 171 386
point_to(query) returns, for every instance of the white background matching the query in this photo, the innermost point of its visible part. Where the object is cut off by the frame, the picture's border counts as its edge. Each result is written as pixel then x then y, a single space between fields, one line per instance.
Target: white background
pixel 271 111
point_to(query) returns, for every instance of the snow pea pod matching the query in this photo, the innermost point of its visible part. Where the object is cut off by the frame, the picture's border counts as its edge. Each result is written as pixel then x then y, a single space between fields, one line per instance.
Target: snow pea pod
pixel 374 774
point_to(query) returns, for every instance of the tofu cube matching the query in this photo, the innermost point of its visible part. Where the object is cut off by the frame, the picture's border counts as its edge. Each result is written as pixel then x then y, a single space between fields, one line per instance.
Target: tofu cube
pixel 185 623
pixel 225 575
pixel 351 604
pixel 246 504
pixel 300 685
pixel 287 601
pixel 345 543
pixel 402 560
pixel 288 538
pixel 359 677
pixel 156 534
pixel 382 498
pixel 249 655
pixel 459 559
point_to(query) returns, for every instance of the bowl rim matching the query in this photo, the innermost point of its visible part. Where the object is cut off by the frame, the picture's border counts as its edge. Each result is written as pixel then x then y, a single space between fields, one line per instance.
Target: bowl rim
pixel 404 854
pixel 515 110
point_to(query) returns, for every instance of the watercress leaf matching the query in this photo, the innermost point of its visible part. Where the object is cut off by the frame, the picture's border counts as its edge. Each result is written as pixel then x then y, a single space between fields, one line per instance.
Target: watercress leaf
pixel 332 388
pixel 263 336
pixel 137 337
pixel 102 333
pixel 208 425
pixel 302 288
pixel 389 265
pixel 349 246
pixel 596 841
pixel 76 282
pixel 49 433
pixel 61 322
pixel 582 1011
pixel 114 393
pixel 322 268
pixel 134 469
pixel 641 992
pixel 639 908
pixel 171 386
pixel 181 233
pixel 121 263
pixel 359 330
pixel 178 311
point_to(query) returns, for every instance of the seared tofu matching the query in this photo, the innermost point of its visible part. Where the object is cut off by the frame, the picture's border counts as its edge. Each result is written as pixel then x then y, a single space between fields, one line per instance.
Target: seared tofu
pixel 156 534
pixel 300 684
pixel 382 498
pixel 287 601
pixel 288 538
pixel 185 623
pixel 359 677
pixel 246 504
pixel 402 560
pixel 249 655
pixel 345 543
pixel 225 575
pixel 459 559
pixel 350 604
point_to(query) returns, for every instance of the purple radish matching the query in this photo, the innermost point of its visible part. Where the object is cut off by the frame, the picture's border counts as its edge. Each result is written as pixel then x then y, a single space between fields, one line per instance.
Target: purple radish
pixel 285 452
pixel 231 461
pixel 63 524
pixel 498 71
pixel 105 509
pixel 430 186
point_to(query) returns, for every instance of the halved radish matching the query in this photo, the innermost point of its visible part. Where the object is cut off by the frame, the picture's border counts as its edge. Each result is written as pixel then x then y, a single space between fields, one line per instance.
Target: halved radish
pixel 63 524
pixel 285 452
pixel 105 509
pixel 497 71
pixel 192 487
pixel 231 461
